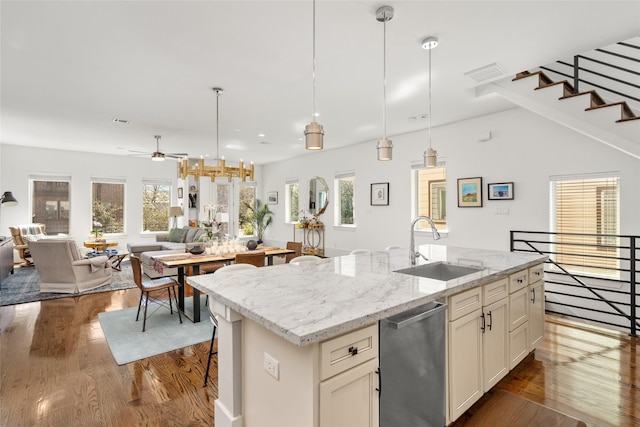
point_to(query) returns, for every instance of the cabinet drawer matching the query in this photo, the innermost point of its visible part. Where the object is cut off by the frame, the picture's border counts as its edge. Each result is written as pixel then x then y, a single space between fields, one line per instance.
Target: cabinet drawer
pixel 349 350
pixel 464 303
pixel 518 308
pixel 518 281
pixel 518 345
pixel 495 291
pixel 536 273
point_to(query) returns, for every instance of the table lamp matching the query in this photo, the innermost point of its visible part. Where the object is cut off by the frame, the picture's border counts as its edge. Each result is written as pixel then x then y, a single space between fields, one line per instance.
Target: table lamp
pixel 175 212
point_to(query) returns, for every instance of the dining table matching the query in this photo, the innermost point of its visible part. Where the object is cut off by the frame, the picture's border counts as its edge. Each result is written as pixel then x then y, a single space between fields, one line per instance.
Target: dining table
pixel 181 261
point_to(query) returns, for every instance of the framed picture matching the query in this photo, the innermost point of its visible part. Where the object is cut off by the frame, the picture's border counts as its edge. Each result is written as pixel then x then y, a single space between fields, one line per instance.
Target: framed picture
pixel 500 191
pixel 180 193
pixel 470 192
pixel 380 194
pixel 272 198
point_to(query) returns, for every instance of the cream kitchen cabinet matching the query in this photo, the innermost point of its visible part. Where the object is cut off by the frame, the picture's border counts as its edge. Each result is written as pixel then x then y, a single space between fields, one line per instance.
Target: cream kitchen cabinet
pixel 478 343
pixel 518 317
pixel 536 306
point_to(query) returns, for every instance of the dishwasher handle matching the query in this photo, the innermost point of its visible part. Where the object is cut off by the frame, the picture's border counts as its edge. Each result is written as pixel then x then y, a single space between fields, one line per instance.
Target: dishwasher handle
pixel 410 317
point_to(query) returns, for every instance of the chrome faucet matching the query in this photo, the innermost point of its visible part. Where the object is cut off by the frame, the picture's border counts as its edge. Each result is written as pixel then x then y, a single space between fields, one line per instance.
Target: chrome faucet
pixel 414 253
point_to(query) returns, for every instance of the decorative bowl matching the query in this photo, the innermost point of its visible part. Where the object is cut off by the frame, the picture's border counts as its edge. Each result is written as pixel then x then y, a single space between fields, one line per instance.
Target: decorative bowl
pixel 196 250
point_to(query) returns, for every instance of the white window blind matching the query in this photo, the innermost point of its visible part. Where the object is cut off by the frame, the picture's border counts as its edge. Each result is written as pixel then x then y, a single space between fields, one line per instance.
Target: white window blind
pixel 586 205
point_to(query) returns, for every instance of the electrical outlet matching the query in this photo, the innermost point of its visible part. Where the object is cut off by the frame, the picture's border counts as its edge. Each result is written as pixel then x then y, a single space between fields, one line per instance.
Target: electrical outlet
pixel 272 366
pixel 502 211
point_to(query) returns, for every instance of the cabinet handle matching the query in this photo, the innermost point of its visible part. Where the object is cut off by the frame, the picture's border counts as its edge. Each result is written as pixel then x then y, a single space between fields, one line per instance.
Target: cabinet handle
pixel 353 350
pixel 533 295
pixel 483 323
pixel 379 389
pixel 490 320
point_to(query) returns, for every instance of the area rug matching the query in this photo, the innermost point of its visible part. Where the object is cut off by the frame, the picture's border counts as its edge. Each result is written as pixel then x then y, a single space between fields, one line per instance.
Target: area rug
pixel 163 333
pixel 24 285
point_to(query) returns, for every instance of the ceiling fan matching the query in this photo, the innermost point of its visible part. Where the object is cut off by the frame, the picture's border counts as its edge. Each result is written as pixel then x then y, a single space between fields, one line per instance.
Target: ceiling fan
pixel 158 155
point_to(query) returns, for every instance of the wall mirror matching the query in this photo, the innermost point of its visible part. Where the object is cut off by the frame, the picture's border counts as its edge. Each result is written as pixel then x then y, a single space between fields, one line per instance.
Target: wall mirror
pixel 318 196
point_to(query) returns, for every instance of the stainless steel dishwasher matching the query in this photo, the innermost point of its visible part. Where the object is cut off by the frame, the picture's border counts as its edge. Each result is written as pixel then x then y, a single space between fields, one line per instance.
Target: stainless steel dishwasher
pixel 412 368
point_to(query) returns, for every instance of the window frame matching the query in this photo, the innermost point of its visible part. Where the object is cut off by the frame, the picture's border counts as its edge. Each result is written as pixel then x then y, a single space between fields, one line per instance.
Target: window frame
pixel 121 181
pixel 337 217
pixel 441 169
pixel 288 208
pixel 50 178
pixel 162 182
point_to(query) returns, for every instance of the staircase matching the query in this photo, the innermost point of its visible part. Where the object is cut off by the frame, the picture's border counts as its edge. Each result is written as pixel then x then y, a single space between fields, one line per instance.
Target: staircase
pixel 591 111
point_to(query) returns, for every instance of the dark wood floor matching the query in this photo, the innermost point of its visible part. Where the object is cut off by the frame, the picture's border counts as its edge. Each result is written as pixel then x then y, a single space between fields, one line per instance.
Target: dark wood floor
pixel 56 370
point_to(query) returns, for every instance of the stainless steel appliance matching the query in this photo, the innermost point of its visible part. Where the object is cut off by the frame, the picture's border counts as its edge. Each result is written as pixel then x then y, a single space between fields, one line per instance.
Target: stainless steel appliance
pixel 412 368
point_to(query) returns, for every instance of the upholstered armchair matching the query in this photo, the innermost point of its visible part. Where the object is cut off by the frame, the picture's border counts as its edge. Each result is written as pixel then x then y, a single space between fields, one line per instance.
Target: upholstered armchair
pixel 62 268
pixel 22 235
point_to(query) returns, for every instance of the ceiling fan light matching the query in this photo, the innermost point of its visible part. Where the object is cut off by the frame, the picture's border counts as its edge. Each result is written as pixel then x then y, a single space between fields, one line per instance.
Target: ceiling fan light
pixel 157 157
pixel 314 136
pixel 430 158
pixel 385 149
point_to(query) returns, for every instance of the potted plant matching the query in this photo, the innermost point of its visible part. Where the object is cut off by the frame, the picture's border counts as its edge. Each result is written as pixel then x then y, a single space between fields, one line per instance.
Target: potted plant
pixel 261 218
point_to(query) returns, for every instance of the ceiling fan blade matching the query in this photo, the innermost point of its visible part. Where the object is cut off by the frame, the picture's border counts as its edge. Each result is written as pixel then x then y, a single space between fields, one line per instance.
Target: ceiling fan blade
pixel 141 152
pixel 176 155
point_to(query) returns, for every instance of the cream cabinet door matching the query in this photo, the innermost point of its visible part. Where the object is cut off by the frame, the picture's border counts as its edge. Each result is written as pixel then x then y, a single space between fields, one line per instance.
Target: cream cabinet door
pixel 465 363
pixel 350 399
pixel 495 342
pixel 536 314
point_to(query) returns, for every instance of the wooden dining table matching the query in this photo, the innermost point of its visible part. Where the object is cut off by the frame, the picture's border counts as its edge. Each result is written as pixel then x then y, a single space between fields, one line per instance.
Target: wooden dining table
pixel 180 261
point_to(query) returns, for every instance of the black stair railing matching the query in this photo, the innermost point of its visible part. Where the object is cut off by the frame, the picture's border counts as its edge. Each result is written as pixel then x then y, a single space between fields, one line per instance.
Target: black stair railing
pixel 584 70
pixel 592 276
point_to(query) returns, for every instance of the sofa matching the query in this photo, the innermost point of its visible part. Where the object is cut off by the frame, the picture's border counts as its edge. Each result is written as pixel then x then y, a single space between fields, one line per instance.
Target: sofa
pixel 176 241
pixel 62 268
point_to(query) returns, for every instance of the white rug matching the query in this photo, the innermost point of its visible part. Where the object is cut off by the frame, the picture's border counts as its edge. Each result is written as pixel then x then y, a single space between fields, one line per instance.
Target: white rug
pixel 163 332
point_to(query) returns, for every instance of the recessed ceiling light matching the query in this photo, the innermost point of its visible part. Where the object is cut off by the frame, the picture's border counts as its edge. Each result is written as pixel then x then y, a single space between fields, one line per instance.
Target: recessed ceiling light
pixel 261 135
pixel 122 121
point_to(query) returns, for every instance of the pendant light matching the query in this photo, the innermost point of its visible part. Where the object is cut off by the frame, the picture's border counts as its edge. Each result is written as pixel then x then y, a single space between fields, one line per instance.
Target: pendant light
pixel 313 132
pixel 430 155
pixel 385 146
pixel 221 168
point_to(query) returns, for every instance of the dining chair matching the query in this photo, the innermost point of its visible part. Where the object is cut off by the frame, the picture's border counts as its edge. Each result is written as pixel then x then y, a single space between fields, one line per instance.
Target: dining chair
pixel 252 257
pixel 359 251
pixel 212 315
pixel 296 246
pixel 305 259
pixel 154 286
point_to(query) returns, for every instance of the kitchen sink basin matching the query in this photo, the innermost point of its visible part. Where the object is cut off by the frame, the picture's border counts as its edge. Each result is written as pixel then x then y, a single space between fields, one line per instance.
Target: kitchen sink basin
pixel 439 271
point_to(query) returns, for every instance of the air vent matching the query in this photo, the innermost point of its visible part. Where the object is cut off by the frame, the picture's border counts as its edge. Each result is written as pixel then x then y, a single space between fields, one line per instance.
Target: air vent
pixel 488 72
pixel 122 121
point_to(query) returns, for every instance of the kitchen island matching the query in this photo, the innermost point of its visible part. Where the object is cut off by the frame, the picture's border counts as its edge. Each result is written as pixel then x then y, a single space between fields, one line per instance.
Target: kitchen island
pixel 286 331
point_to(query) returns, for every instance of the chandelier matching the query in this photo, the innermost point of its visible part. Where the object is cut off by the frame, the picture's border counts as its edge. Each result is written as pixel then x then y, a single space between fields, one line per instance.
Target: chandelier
pixel 221 169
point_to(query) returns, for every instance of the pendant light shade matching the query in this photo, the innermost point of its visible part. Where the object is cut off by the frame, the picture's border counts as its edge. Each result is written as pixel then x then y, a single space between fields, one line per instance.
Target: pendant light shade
pixel 313 132
pixel 430 155
pixel 314 135
pixel 385 145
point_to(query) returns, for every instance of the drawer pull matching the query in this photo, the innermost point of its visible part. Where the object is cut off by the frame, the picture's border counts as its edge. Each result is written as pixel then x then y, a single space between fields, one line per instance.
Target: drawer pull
pixel 533 296
pixel 483 327
pixel 353 350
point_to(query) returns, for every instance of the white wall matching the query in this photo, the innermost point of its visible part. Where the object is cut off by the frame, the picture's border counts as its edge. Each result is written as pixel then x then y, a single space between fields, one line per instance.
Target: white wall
pixel 525 149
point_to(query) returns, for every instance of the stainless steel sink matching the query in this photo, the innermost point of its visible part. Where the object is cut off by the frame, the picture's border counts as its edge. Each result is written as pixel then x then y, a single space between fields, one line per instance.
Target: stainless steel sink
pixel 439 271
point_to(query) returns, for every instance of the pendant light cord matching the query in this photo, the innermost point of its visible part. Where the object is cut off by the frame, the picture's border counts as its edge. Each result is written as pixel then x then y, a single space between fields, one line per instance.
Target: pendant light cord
pixel 430 97
pixel 314 61
pixel 384 77
pixel 217 125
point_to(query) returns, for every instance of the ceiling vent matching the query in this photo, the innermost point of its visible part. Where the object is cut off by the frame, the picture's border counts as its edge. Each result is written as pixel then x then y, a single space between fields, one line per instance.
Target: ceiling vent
pixel 488 72
pixel 122 121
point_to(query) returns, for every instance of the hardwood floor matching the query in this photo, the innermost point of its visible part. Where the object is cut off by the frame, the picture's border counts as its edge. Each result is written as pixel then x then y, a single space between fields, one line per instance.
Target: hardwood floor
pixel 56 370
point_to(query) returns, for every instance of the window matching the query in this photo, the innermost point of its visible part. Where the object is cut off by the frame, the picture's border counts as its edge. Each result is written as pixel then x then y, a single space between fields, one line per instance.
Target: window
pixel 50 202
pixel 586 205
pixel 247 201
pixel 156 196
pixel 291 198
pixel 345 201
pixel 107 205
pixel 430 195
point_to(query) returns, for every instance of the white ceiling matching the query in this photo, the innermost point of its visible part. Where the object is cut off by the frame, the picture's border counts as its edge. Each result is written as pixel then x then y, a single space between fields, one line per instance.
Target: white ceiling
pixel 69 68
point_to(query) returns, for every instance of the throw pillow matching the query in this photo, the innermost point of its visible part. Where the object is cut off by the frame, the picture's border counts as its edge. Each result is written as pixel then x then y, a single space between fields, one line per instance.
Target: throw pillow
pixel 176 235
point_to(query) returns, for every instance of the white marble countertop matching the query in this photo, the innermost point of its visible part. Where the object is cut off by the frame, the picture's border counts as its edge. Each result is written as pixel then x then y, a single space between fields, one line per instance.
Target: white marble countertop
pixel 309 303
